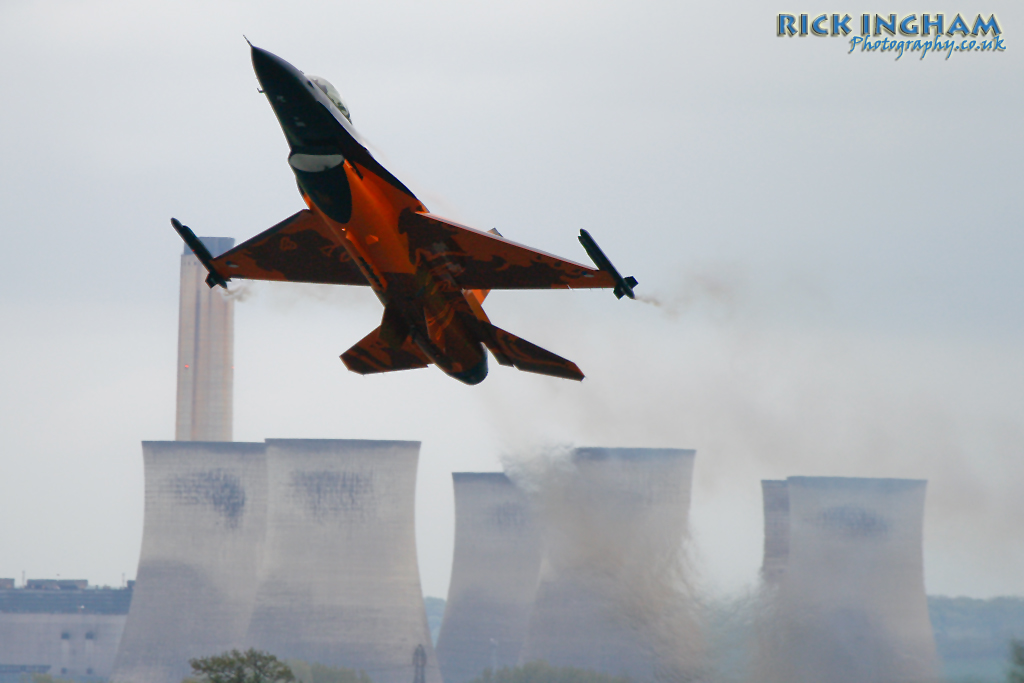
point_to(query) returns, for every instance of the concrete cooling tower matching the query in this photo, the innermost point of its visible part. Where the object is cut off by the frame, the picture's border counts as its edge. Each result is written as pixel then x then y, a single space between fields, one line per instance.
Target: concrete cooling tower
pixel 201 545
pixel 851 604
pixel 340 583
pixel 205 352
pixel 612 595
pixel 498 548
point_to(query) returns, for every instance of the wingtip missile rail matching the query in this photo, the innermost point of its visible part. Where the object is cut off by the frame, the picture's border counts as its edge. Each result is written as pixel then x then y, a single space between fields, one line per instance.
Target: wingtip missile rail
pixel 623 285
pixel 201 252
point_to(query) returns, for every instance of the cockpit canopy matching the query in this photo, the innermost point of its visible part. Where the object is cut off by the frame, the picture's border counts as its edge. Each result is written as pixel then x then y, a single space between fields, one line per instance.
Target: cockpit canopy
pixel 332 94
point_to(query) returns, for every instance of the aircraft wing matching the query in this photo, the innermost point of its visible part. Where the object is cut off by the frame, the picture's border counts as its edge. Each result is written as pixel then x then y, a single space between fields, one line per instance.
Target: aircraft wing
pixel 481 260
pixel 300 248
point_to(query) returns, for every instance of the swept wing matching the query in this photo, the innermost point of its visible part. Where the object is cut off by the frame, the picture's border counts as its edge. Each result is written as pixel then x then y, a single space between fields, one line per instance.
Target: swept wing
pixel 301 248
pixel 482 260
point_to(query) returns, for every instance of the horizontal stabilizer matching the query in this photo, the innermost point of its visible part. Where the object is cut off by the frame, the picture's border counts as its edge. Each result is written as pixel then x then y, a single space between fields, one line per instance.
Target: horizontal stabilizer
pixel 509 349
pixel 373 355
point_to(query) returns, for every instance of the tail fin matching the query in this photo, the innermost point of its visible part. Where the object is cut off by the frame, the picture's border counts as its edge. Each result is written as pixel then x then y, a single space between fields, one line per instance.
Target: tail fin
pixel 509 349
pixel 372 354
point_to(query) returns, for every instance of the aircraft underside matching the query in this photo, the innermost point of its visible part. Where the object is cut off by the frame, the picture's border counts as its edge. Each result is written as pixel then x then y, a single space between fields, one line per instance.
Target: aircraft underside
pixel 363 227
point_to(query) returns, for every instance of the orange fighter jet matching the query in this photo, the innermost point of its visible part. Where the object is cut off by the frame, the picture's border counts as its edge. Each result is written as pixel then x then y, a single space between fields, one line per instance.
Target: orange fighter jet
pixel 364 227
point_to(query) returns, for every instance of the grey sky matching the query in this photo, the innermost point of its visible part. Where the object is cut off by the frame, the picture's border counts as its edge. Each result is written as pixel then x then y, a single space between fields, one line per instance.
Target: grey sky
pixel 834 237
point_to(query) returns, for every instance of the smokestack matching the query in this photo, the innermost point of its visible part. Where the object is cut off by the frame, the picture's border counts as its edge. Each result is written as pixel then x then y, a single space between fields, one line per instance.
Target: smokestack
pixel 851 604
pixel 612 596
pixel 201 542
pixel 206 343
pixel 498 548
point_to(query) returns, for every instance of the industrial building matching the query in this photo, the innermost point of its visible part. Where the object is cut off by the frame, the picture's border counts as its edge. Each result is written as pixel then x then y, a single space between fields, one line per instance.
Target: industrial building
pixel 205 519
pixel 61 628
pixel 204 522
pixel 850 603
pixel 339 579
pixel 206 339
pixel 612 595
pixel 498 548
pixel 303 548
pixel 205 512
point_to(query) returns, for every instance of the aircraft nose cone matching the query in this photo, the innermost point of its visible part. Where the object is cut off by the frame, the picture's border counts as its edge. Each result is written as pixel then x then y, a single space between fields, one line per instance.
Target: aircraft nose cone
pixel 294 99
pixel 272 71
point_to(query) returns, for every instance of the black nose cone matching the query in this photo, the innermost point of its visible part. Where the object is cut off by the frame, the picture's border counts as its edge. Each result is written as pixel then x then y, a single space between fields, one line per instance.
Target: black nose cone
pixel 295 100
pixel 273 72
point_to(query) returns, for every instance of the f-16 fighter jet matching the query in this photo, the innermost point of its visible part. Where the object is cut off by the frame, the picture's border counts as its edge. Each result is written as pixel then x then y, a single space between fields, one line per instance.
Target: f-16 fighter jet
pixel 362 226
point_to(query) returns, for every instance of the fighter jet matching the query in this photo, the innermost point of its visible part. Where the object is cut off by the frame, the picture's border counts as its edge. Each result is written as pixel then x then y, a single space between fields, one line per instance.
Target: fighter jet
pixel 362 226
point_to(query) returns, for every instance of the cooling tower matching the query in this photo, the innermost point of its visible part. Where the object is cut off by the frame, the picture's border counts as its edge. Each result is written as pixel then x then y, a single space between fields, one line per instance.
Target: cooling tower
pixel 201 545
pixel 340 583
pixel 851 603
pixel 612 594
pixel 776 530
pixel 205 352
pixel 496 562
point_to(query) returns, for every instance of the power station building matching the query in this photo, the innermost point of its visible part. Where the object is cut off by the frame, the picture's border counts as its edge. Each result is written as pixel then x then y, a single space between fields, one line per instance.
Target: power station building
pixel 61 628
pixel 202 543
pixel 612 595
pixel 498 548
pixel 304 548
pixel 339 580
pixel 850 603
pixel 206 357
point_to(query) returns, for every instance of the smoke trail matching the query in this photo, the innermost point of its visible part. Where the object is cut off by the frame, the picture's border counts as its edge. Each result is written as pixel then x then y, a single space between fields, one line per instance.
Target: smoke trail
pixel 534 469
pixel 285 295
pixel 239 292
pixel 767 396
pixel 720 292
pixel 730 632
pixel 759 399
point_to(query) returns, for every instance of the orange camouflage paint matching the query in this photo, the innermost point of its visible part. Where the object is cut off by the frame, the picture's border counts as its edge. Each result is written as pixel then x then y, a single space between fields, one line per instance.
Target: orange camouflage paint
pixel 363 227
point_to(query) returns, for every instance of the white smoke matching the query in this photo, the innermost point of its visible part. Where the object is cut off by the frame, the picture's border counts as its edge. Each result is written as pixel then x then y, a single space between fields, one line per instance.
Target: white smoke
pixel 286 295
pixel 595 534
pixel 239 291
pixel 720 292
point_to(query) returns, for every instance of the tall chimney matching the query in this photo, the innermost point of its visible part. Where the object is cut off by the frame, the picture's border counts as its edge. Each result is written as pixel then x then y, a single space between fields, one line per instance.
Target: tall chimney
pixel 206 351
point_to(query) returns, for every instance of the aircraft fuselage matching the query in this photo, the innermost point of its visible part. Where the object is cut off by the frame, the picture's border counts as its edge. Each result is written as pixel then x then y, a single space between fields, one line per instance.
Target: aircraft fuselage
pixel 365 213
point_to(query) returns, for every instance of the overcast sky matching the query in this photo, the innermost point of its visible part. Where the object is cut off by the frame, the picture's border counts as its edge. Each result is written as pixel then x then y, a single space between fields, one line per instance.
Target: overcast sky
pixel 835 241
